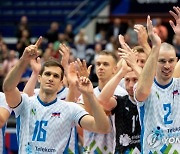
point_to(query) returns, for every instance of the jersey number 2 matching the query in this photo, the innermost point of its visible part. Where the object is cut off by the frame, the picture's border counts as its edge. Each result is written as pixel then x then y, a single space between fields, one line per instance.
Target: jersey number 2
pixel 39 132
pixel 167 107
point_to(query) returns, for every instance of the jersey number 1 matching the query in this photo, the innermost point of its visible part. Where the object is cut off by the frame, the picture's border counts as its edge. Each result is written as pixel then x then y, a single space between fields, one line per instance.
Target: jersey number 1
pixel 39 132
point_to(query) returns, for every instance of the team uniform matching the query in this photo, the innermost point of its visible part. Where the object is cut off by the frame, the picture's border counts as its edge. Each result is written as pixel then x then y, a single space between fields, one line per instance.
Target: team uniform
pixel 3 104
pixel 73 144
pixel 160 120
pixel 127 126
pixel 45 128
pixel 96 143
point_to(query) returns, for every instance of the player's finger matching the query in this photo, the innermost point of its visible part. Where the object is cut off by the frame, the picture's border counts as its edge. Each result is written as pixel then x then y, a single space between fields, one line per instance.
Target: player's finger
pixel 39 41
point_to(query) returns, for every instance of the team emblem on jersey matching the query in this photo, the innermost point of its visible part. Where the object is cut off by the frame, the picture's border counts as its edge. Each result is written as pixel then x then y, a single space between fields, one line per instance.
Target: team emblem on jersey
pixel 56 114
pixel 155 138
pixel 33 111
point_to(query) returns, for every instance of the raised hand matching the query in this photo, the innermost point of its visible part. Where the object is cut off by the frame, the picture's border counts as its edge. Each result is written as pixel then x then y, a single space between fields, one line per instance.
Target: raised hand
pixel 176 16
pixel 126 52
pixel 82 68
pixel 72 74
pixel 122 42
pixel 84 85
pixel 36 65
pixel 65 53
pixel 141 33
pixel 31 52
pixel 155 39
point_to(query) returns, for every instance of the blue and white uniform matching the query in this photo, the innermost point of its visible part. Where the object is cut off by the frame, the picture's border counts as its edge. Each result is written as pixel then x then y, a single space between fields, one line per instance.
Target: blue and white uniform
pixel 96 143
pixel 45 128
pixel 160 119
pixel 73 145
pixel 3 104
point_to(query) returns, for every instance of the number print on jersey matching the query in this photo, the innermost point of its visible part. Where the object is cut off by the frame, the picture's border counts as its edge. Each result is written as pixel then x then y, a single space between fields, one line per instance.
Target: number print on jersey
pixel 167 107
pixel 39 131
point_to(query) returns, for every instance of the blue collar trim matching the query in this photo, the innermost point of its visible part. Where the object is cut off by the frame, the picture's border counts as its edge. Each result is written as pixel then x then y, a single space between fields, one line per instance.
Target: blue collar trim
pixel 163 86
pixel 46 104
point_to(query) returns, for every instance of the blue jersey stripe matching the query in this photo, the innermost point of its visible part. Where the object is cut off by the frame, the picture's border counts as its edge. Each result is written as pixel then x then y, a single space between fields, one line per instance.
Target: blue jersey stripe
pixel 142 126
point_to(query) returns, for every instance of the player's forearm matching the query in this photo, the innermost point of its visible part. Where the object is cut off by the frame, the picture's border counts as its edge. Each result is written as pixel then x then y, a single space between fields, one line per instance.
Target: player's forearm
pixel 177 70
pixel 108 90
pixel 137 70
pixel 31 84
pixel 102 122
pixel 13 77
pixel 73 93
pixel 4 115
pixel 146 47
pixel 147 76
pixel 87 106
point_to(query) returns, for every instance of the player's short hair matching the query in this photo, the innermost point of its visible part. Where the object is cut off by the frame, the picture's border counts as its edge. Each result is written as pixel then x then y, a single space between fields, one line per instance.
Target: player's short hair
pixel 50 63
pixel 109 53
pixel 138 49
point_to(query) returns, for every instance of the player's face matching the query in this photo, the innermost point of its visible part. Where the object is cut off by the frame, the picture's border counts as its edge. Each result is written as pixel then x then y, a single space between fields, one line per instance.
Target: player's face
pixel 130 80
pixel 141 59
pixel 105 67
pixel 165 67
pixel 51 79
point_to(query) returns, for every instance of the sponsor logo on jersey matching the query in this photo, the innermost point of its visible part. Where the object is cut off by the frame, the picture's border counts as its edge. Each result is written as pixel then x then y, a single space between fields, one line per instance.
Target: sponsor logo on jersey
pixel 155 138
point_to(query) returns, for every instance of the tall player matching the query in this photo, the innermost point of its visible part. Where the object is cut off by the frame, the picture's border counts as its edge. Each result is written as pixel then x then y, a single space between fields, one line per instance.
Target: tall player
pixel 45 122
pixel 158 99
pixel 106 68
pixel 127 126
pixel 62 93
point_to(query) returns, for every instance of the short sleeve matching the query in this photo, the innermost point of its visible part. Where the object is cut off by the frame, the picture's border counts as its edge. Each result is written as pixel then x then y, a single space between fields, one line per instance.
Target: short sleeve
pixel 21 108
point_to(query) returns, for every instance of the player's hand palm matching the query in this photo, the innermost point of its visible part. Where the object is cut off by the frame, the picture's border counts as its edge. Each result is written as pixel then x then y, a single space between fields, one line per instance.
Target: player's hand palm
pixel 155 39
pixel 31 52
pixel 65 53
pixel 82 68
pixel 84 85
pixel 36 65
pixel 176 16
pixel 72 74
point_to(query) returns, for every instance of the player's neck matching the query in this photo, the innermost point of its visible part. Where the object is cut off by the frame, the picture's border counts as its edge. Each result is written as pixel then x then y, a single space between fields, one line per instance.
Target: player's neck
pixel 102 83
pixel 47 98
pixel 163 82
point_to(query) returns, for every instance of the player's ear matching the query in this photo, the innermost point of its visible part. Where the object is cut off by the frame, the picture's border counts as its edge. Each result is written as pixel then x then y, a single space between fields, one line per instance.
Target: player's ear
pixel 115 69
pixel 39 78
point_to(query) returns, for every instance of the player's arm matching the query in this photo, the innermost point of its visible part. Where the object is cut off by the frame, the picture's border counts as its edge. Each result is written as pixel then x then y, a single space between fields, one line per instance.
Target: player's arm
pixel 4 115
pixel 106 96
pixel 31 84
pixel 143 88
pixel 142 38
pixel 98 122
pixel 176 16
pixel 177 70
pixel 129 55
pixel 13 96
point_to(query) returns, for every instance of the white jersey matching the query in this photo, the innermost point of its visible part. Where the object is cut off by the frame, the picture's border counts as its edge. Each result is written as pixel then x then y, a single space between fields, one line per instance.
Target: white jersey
pixel 160 119
pixel 45 128
pixel 73 145
pixel 3 104
pixel 102 143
